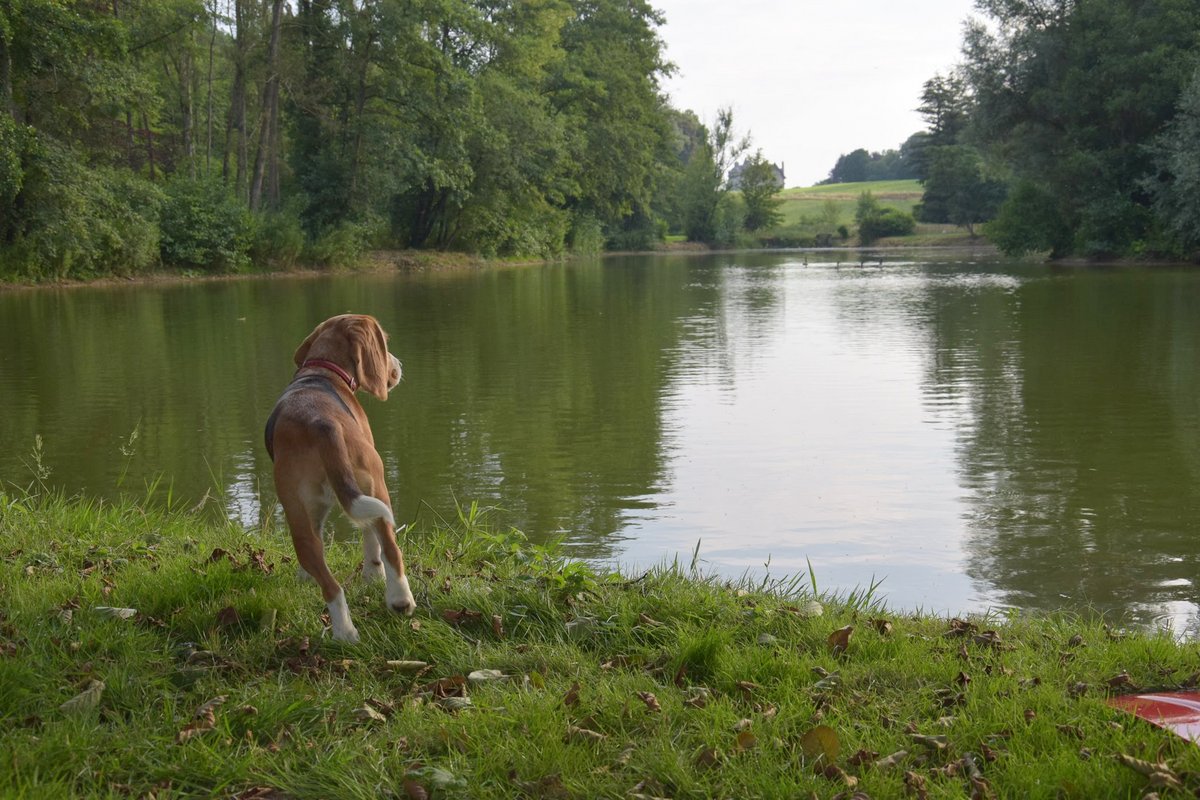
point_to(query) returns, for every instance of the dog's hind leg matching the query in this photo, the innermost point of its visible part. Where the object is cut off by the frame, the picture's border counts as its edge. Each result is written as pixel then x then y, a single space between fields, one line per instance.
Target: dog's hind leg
pixel 399 596
pixel 372 565
pixel 304 522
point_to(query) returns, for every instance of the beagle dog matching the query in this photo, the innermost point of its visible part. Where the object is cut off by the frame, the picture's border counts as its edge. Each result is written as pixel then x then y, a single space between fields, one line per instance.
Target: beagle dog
pixel 323 450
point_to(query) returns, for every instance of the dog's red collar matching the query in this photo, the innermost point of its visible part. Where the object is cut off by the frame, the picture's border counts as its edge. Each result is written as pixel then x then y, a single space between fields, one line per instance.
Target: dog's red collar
pixel 334 368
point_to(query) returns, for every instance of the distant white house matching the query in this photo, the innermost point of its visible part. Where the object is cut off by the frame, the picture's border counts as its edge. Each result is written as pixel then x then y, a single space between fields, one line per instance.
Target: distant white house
pixel 735 175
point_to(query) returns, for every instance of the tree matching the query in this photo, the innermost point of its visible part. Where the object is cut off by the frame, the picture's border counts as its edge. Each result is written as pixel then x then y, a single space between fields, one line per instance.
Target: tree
pixel 760 190
pixel 705 181
pixel 944 106
pixel 957 190
pixel 1176 185
pixel 1070 94
pixel 850 167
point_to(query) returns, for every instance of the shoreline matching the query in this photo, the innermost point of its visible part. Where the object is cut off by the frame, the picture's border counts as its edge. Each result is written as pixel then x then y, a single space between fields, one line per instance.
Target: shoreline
pixel 424 261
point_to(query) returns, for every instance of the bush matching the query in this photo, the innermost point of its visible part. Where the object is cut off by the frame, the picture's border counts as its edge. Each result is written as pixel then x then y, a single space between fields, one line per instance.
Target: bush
pixel 729 219
pixel 586 236
pixel 638 232
pixel 343 245
pixel 277 240
pixel 204 226
pixel 885 222
pixel 75 221
pixel 1029 222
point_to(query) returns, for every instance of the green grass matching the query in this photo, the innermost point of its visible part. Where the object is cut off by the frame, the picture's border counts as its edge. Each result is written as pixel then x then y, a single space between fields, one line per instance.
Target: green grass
pixel 666 684
pixel 805 209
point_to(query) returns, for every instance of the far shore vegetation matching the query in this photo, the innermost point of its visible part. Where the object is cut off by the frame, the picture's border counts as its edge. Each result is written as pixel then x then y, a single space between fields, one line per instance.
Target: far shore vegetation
pixel 226 136
pixel 155 652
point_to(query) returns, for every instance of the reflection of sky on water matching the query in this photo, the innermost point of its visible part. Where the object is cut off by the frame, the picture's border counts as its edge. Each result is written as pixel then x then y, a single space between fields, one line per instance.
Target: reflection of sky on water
pixel 797 438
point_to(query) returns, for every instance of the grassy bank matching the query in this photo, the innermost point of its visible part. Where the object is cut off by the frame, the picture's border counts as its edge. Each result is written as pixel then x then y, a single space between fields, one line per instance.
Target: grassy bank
pixel 815 213
pixel 539 678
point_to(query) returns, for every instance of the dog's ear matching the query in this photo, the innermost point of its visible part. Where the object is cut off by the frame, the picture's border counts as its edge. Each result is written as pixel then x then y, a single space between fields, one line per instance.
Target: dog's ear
pixel 306 345
pixel 370 355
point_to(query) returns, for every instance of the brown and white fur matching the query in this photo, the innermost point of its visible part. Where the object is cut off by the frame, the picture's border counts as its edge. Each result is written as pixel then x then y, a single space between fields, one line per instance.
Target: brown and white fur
pixel 321 443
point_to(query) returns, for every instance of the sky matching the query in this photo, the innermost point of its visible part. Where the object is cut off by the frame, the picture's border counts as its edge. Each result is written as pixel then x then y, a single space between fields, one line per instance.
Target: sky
pixel 811 79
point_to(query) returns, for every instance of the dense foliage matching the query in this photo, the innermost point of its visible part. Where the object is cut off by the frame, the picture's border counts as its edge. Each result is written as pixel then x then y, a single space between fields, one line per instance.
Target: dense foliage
pixel 206 133
pixel 1086 111
pixel 859 166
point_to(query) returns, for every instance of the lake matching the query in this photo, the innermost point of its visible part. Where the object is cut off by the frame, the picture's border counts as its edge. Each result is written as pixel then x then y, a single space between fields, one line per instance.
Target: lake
pixel 970 434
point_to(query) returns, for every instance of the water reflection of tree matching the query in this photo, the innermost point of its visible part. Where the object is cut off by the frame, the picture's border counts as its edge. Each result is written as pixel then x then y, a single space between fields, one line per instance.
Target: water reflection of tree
pixel 1079 399
pixel 540 390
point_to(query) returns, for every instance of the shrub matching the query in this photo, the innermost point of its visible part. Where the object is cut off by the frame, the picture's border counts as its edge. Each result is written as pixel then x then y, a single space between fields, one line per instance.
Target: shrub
pixel 204 226
pixel 586 236
pixel 1028 222
pixel 76 221
pixel 876 221
pixel 277 240
pixel 885 222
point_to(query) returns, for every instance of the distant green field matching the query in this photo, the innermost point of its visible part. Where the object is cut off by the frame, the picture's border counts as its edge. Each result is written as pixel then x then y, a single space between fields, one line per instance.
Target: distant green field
pixel 810 208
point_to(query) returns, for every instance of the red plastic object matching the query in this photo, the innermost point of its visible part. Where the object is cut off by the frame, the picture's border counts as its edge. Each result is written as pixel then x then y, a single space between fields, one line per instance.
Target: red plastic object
pixel 1175 711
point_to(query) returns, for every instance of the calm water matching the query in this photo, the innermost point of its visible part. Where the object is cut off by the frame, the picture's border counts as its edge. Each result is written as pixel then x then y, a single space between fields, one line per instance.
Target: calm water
pixel 976 435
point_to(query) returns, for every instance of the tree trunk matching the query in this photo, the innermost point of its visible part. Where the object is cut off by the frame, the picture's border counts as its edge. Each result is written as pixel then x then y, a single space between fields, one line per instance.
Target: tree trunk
pixel 270 104
pixel 149 144
pixel 212 42
pixel 360 105
pixel 237 104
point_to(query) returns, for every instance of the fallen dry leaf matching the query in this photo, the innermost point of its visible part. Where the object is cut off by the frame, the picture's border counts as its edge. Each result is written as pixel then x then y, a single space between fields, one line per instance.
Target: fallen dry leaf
pixel 648 621
pixel 486 675
pixel 571 698
pixel 936 743
pixel 650 700
pixel 915 785
pixel 577 734
pixel 414 790
pixel 407 666
pixel 863 757
pixel 839 640
pixel 497 626
pixel 833 772
pixel 697 697
pixel 746 740
pixel 1158 773
pixel 204 719
pixel 821 743
pixel 708 757
pixel 365 713
pixel 1121 681
pixel 891 761
pixel 86 700
pixel 228 617
pixel 461 616
pixel 882 626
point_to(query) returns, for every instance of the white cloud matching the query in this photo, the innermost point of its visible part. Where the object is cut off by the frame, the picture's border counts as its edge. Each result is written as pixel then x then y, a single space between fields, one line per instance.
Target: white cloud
pixel 811 80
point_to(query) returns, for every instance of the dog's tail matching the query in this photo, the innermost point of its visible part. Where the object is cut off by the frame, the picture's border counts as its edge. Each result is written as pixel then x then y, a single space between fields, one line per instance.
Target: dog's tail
pixel 361 508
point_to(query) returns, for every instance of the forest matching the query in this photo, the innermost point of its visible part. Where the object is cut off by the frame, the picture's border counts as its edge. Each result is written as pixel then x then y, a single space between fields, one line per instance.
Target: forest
pixel 209 135
pixel 213 135
pixel 1071 128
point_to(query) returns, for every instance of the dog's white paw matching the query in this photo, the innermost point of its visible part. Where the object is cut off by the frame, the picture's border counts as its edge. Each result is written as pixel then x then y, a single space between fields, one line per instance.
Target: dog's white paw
pixel 339 620
pixel 399 597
